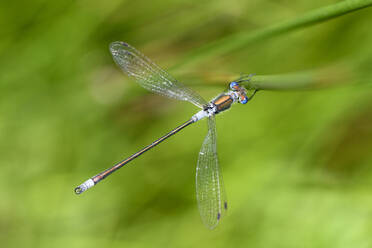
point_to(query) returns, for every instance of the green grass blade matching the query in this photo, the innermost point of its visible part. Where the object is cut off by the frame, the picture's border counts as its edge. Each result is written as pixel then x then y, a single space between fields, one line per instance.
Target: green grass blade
pixel 239 40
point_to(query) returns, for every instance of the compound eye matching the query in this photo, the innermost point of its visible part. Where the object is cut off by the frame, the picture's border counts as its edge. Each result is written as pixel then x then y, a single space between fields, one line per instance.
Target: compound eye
pixel 233 84
pixel 243 99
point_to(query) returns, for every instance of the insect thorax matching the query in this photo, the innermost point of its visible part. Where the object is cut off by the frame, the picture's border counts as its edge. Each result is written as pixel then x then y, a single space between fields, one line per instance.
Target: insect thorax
pixel 224 101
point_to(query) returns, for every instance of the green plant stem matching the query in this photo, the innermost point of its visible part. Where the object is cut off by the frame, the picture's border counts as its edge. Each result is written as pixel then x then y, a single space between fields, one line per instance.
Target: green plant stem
pixel 335 75
pixel 239 40
pixel 305 81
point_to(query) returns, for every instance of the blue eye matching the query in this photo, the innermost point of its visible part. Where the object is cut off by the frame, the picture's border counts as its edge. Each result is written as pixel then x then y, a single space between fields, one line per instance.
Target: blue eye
pixel 244 101
pixel 233 84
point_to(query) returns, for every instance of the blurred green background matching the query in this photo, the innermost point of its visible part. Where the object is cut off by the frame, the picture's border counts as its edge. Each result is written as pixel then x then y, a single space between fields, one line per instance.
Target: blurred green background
pixel 296 165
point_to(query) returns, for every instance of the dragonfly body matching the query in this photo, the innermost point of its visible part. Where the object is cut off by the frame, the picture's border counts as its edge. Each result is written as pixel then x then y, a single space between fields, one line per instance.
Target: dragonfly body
pixel 223 101
pixel 210 191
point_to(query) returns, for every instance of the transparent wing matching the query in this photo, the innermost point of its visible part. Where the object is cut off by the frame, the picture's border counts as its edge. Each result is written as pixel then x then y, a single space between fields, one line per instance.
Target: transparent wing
pixel 150 76
pixel 210 190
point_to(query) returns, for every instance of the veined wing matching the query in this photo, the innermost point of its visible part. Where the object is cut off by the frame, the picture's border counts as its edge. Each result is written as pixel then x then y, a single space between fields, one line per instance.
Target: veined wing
pixel 210 190
pixel 150 76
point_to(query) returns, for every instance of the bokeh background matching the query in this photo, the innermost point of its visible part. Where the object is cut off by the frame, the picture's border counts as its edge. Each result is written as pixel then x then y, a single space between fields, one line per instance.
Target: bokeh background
pixel 296 164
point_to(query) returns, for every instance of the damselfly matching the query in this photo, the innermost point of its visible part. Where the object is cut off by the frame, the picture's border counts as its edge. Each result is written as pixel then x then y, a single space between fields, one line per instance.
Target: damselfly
pixel 210 190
